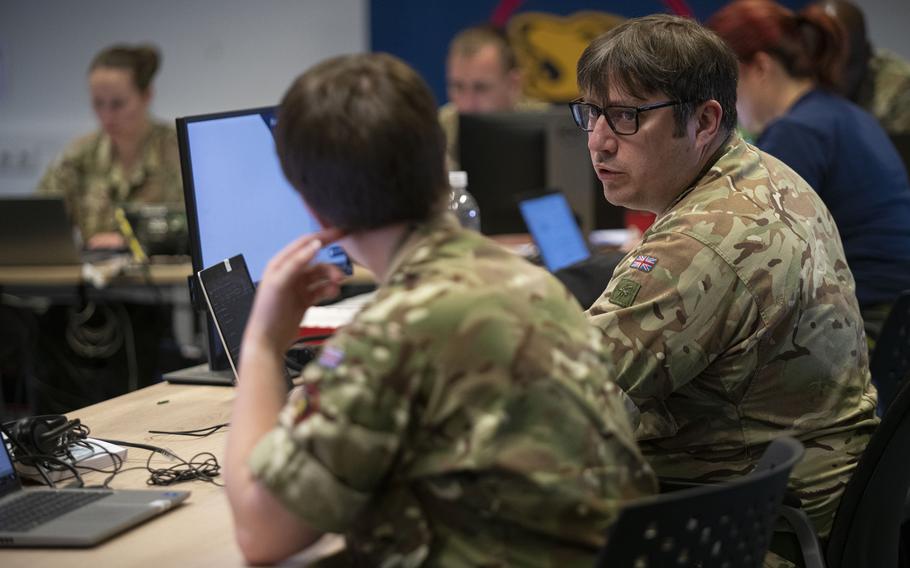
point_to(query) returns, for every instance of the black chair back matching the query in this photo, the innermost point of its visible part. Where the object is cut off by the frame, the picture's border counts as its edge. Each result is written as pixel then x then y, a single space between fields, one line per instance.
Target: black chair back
pixel 890 363
pixel 866 529
pixel 723 524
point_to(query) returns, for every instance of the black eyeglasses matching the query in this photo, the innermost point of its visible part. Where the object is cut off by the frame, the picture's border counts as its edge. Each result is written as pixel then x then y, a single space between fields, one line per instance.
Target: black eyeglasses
pixel 622 119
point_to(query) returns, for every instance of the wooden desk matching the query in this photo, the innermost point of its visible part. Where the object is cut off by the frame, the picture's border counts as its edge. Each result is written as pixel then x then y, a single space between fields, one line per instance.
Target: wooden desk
pixel 199 533
pixel 161 274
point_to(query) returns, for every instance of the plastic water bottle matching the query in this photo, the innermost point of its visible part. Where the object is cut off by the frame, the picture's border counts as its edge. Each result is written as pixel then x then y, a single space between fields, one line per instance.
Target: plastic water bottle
pixel 462 203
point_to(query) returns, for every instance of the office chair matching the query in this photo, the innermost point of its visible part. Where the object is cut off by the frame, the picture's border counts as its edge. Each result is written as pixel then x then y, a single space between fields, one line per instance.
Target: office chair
pixel 890 363
pixel 867 525
pixel 723 524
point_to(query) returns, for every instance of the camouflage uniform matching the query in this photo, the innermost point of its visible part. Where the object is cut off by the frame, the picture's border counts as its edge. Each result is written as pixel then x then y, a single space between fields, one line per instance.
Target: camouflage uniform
pixel 885 92
pixel 94 183
pixel 735 322
pixel 448 119
pixel 462 419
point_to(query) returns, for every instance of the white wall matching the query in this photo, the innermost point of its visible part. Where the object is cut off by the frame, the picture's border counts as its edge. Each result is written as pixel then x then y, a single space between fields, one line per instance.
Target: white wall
pixel 888 22
pixel 217 55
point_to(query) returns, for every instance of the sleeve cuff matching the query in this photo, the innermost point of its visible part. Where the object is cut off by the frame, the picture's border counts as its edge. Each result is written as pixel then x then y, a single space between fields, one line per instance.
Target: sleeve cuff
pixel 304 485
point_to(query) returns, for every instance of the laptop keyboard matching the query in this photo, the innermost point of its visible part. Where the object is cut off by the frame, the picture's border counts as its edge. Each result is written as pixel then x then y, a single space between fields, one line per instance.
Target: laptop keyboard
pixel 32 508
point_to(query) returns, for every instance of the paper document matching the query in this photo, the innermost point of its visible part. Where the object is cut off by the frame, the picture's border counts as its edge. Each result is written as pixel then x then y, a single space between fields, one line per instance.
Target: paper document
pixel 338 314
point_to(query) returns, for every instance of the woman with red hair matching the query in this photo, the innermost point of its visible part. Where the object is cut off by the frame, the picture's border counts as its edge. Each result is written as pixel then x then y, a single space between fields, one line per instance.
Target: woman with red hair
pixel 788 66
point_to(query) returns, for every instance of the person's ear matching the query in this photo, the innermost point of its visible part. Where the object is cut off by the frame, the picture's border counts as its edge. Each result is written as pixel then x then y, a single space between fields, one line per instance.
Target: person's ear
pixel 147 95
pixel 323 222
pixel 708 118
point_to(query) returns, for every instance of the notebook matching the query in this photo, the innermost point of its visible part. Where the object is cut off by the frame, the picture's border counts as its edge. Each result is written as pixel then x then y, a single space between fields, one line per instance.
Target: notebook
pixel 71 517
pixel 555 232
pixel 36 231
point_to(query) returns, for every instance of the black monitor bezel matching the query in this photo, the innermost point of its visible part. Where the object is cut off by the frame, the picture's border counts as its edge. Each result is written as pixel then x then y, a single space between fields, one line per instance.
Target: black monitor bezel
pixel 218 360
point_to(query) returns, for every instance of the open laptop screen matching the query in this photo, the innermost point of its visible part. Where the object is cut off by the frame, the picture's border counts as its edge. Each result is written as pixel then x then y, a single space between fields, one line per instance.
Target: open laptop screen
pixel 555 231
pixel 8 479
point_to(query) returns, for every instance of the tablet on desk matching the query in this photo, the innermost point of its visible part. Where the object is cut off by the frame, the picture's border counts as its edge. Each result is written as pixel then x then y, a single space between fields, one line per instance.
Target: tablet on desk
pixel 229 292
pixel 553 227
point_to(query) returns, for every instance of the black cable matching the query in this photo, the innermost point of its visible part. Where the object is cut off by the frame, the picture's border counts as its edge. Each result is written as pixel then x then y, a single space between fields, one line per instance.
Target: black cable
pixel 92 332
pixel 116 461
pixel 163 451
pixel 129 345
pixel 73 437
pixel 203 466
pixel 33 460
pixel 205 470
pixel 20 450
pixel 197 433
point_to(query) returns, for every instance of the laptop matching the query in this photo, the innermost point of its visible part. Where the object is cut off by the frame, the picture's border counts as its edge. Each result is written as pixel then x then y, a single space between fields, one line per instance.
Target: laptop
pixel 36 231
pixel 71 517
pixel 555 232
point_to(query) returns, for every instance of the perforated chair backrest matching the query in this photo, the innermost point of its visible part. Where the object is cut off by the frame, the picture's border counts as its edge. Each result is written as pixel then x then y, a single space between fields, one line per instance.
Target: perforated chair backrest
pixel 890 362
pixel 866 529
pixel 723 525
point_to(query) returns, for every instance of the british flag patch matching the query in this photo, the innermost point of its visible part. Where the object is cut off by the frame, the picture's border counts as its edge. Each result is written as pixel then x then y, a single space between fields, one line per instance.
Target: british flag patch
pixel 643 263
pixel 330 357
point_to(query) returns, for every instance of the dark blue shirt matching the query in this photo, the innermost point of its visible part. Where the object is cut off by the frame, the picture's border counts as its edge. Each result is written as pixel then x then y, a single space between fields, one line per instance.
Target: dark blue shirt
pixel 848 159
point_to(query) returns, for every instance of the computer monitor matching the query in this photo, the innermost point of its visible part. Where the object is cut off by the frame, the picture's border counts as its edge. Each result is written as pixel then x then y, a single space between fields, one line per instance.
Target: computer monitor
pixel 237 198
pixel 503 154
pixel 508 154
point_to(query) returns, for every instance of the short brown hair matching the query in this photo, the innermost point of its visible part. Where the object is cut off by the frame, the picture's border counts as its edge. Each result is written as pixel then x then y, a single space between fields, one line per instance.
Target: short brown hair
pixel 469 41
pixel 141 60
pixel 663 54
pixel 358 137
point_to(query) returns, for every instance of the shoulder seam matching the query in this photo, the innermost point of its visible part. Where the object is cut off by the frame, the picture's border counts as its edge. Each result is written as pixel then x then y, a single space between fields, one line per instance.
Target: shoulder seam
pixel 729 263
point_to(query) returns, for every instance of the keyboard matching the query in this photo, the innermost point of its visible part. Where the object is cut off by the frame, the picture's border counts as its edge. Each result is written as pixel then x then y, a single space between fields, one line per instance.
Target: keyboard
pixel 30 509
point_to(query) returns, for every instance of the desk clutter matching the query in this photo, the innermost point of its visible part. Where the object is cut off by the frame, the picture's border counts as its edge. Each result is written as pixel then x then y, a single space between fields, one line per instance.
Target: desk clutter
pixel 49 449
pixel 51 446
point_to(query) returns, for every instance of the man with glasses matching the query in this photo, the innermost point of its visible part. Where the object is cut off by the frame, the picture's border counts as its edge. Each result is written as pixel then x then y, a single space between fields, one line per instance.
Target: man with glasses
pixel 735 320
pixel 425 429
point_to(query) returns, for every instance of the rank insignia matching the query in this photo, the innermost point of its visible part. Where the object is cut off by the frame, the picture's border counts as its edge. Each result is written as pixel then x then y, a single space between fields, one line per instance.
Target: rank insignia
pixel 624 293
pixel 643 263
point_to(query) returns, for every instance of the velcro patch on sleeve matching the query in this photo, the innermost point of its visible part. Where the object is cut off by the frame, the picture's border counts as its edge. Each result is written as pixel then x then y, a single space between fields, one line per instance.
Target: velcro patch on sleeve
pixel 624 293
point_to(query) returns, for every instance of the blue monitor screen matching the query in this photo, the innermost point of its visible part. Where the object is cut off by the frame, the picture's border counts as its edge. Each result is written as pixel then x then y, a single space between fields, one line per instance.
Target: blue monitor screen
pixel 241 201
pixel 554 229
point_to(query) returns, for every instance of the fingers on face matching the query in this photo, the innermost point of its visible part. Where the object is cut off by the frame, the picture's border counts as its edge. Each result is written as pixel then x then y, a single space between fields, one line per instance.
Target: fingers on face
pixel 322 237
pixel 294 248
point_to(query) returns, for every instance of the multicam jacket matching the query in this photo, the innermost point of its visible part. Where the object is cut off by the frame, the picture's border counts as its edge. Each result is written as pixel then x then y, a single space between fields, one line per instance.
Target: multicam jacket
pixel 885 92
pixel 735 322
pixel 93 182
pixel 464 418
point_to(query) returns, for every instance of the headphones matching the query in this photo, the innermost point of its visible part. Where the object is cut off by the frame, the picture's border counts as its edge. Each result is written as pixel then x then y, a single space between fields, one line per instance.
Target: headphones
pixel 48 435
